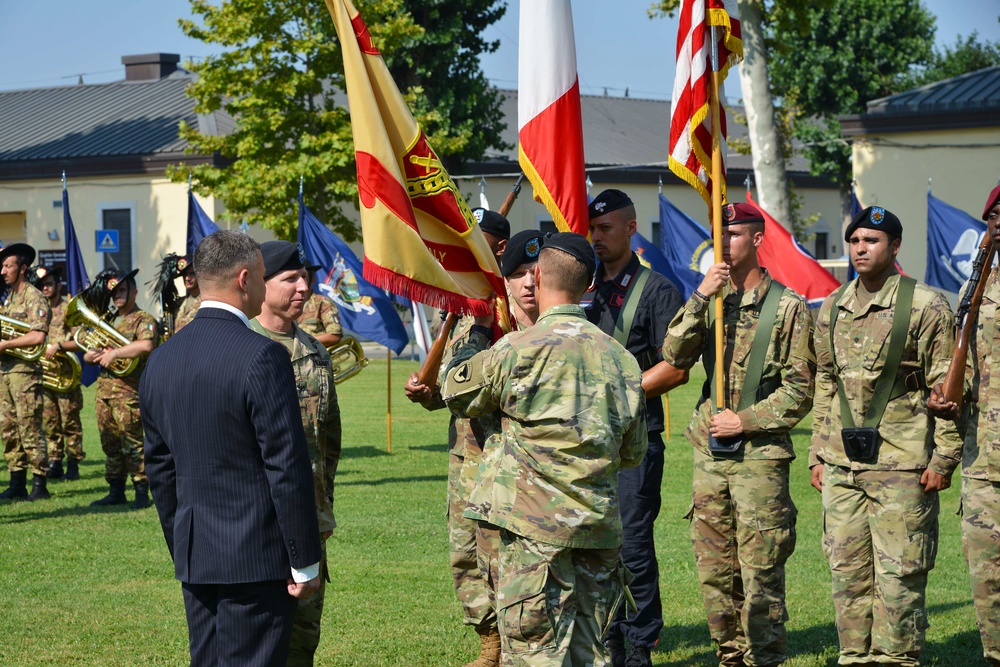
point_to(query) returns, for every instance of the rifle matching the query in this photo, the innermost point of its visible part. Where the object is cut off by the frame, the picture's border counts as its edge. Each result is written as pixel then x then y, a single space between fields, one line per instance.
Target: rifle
pixel 428 374
pixel 968 314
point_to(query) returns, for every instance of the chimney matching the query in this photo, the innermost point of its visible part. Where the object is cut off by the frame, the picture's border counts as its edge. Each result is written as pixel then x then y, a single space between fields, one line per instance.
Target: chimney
pixel 150 66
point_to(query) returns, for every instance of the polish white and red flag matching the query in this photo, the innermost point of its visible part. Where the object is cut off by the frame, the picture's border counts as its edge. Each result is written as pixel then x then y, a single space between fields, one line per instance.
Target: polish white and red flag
pixel 549 122
pixel 690 115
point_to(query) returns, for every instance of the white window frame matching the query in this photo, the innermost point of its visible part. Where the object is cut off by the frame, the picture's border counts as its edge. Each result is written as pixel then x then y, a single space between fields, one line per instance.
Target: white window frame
pixel 111 205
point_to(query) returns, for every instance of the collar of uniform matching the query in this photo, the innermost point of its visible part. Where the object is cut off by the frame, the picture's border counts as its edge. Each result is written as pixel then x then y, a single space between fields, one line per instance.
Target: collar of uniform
pixel 571 309
pixel 849 301
pixel 623 279
pixel 752 298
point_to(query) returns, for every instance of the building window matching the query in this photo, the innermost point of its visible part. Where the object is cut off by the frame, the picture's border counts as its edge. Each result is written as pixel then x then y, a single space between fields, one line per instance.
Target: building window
pixel 547 227
pixel 655 233
pixel 822 245
pixel 119 216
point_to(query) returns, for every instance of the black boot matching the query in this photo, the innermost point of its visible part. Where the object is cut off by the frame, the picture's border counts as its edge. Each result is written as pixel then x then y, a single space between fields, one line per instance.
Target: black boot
pixel 116 496
pixel 615 644
pixel 55 470
pixel 638 656
pixel 39 489
pixel 141 495
pixel 72 470
pixel 18 486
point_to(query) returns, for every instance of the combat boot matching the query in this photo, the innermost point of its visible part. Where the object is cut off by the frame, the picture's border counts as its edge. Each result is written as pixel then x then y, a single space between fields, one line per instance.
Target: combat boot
pixel 141 495
pixel 18 486
pixel 55 470
pixel 39 488
pixel 116 496
pixel 638 656
pixel 489 648
pixel 615 644
pixel 72 470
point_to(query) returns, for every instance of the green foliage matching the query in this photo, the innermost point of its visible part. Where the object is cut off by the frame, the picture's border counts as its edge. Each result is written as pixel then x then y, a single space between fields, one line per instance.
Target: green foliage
pixel 281 77
pixel 967 55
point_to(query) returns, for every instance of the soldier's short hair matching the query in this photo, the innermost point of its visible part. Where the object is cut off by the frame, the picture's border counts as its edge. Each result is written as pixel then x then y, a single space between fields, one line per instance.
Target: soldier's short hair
pixel 564 272
pixel 223 254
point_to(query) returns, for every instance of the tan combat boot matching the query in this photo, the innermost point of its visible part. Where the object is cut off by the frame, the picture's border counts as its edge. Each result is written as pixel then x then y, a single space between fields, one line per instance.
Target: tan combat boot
pixel 489 648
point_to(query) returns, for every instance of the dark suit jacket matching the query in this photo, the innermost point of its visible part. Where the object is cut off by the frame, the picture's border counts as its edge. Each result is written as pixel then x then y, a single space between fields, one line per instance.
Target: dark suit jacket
pixel 226 454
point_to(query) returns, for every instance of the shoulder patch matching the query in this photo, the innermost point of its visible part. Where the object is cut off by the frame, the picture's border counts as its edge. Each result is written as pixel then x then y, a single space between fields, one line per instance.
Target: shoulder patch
pixel 463 373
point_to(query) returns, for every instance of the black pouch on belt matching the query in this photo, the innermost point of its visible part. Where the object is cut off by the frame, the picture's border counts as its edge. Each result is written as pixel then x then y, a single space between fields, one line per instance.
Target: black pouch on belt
pixel 860 444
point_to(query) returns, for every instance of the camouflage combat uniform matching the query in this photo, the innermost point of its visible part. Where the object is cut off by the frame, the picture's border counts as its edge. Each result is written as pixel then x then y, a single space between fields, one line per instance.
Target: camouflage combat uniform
pixel 320 316
pixel 572 415
pixel 742 516
pixel 186 311
pixel 117 402
pixel 880 529
pixel 61 412
pixel 321 421
pixel 981 473
pixel 24 444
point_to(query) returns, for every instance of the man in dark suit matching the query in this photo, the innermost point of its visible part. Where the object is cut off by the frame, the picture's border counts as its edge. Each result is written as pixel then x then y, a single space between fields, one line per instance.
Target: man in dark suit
pixel 228 466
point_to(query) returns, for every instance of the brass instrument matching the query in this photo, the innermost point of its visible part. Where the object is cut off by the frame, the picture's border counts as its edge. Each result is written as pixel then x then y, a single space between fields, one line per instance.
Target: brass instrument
pixel 11 329
pixel 96 334
pixel 348 359
pixel 61 373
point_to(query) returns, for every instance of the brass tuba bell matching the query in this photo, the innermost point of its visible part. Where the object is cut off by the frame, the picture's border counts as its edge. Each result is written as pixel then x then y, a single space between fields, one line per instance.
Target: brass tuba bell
pixel 61 373
pixel 11 329
pixel 96 334
pixel 348 359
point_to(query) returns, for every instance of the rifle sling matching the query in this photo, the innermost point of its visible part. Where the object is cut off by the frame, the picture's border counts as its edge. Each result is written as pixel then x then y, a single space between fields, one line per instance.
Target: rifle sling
pixel 626 316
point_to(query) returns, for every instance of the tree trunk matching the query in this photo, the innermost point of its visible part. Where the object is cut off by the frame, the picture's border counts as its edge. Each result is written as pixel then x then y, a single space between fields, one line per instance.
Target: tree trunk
pixel 768 163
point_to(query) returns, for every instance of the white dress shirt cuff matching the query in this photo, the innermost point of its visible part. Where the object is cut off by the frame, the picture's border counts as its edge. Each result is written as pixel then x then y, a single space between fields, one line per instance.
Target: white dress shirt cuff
pixel 305 574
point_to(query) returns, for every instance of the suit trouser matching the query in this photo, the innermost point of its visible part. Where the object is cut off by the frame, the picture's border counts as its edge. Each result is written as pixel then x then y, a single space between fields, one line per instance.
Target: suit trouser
pixel 880 534
pixel 981 543
pixel 639 499
pixel 239 625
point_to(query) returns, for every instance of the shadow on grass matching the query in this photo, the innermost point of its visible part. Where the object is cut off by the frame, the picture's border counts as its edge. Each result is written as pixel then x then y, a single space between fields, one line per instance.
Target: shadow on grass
pixel 443 447
pixel 678 637
pixel 69 511
pixel 396 480
pixel 365 452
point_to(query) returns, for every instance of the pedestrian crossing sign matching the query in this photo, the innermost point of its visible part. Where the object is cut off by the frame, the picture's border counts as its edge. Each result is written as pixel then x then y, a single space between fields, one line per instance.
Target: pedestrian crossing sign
pixel 107 240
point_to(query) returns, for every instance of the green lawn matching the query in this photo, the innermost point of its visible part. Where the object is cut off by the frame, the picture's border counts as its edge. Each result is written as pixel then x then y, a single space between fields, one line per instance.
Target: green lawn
pixel 95 587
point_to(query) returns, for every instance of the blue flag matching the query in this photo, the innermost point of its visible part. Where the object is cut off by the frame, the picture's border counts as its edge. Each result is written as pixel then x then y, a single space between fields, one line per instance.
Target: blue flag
pixel 199 224
pixel 651 257
pixel 364 308
pixel 686 247
pixel 76 272
pixel 855 209
pixel 953 238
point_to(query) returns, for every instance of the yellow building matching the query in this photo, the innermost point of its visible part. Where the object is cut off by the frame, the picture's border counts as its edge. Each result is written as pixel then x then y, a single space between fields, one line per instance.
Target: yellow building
pixel 945 136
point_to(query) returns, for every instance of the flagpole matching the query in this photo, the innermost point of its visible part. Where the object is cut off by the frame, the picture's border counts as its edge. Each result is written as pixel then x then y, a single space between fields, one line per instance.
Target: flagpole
pixel 388 398
pixel 717 185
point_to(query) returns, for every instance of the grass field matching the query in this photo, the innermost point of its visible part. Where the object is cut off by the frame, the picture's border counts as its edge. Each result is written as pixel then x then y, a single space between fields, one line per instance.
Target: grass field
pixel 82 586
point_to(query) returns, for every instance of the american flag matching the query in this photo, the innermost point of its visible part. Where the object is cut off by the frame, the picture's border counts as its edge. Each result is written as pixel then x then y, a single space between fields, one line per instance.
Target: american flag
pixel 690 116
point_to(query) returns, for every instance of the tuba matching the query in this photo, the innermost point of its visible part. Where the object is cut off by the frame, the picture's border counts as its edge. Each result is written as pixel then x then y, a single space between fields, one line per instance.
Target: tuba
pixel 96 334
pixel 11 329
pixel 348 359
pixel 61 373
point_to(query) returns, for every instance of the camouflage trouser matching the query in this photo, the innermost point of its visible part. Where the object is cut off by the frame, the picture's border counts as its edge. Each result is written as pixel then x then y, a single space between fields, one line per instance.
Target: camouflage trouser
pixel 980 531
pixel 21 422
pixel 306 626
pixel 743 532
pixel 553 602
pixel 488 558
pixel 121 432
pixel 61 416
pixel 473 593
pixel 880 535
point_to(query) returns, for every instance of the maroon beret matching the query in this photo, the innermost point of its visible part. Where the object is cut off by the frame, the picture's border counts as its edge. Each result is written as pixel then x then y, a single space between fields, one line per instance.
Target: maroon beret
pixel 991 201
pixel 739 213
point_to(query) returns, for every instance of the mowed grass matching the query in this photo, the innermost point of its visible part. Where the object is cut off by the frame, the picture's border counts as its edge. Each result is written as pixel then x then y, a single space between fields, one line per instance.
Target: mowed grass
pixel 81 586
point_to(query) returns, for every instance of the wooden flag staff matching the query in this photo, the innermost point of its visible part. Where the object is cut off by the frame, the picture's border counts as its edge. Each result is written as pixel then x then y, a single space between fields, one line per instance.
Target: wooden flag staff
pixel 717 185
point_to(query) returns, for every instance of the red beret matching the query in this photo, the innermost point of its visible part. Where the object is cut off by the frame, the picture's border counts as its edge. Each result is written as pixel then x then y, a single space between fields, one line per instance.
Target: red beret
pixel 739 213
pixel 991 201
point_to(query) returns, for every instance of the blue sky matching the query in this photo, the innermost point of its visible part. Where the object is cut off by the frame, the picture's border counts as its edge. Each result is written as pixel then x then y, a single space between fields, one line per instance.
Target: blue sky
pixel 52 42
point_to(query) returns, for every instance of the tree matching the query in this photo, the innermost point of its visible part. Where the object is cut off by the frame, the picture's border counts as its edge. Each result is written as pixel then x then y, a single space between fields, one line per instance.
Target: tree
pixel 968 55
pixel 281 78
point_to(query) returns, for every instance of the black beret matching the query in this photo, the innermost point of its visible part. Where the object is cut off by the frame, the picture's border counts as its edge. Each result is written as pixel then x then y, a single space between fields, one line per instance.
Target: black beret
pixel 492 223
pixel 877 218
pixel 522 248
pixel 21 250
pixel 991 201
pixel 607 201
pixel 740 213
pixel 281 256
pixel 576 245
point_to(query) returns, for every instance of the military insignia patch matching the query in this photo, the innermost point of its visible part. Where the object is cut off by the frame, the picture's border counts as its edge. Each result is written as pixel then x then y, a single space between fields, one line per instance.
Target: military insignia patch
pixel 600 206
pixel 182 264
pixel 877 215
pixel 464 373
pixel 302 254
pixel 532 248
pixel 41 312
pixel 728 212
pixel 112 283
pixel 478 215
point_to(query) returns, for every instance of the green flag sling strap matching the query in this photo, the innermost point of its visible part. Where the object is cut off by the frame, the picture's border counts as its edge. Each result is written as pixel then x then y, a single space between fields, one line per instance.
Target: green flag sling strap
pixel 758 350
pixel 888 384
pixel 626 316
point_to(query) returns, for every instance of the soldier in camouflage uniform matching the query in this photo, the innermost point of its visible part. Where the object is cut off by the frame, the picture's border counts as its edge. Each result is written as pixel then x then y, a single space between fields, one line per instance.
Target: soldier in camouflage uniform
pixel 61 411
pixel 24 444
pixel 742 516
pixel 286 293
pixel 466 438
pixel 572 415
pixel 880 526
pixel 320 317
pixel 189 306
pixel 981 454
pixel 117 398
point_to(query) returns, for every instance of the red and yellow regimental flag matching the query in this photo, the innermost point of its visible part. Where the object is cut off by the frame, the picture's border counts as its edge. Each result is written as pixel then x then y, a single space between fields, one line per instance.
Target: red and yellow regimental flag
pixel 420 237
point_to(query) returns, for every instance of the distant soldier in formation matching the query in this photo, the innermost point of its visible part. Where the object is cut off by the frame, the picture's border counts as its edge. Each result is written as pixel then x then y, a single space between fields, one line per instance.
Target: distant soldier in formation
pixel 24 444
pixel 573 415
pixel 189 306
pixel 877 456
pixel 742 515
pixel 61 413
pixel 320 317
pixel 117 398
pixel 286 293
